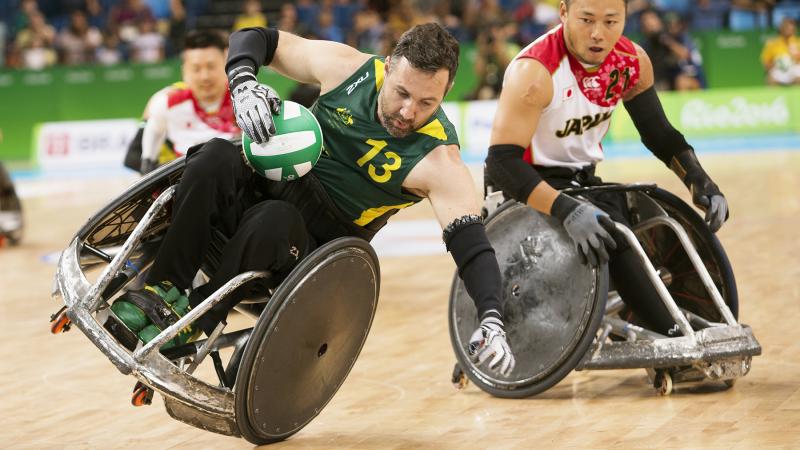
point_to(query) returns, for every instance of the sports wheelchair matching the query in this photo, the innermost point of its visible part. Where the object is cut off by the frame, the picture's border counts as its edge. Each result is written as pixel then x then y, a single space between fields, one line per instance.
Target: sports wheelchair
pixel 306 334
pixel 11 222
pixel 562 315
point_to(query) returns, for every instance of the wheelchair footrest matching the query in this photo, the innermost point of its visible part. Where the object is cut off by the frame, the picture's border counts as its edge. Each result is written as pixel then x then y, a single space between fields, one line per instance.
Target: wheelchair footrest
pixel 710 344
pixel 205 420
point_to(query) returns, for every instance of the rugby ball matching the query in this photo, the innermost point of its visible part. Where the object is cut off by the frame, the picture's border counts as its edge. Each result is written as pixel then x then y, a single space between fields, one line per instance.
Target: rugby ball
pixel 292 151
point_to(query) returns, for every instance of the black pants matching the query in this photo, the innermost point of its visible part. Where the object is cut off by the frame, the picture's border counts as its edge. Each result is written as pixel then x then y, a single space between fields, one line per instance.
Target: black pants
pixel 626 271
pixel 264 223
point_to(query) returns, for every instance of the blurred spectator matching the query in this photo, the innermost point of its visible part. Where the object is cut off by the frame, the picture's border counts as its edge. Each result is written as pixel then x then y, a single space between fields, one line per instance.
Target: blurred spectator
pixel 307 12
pixel 289 22
pixel 148 45
pixel 534 18
pixel 689 74
pixel 449 19
pixel 344 12
pixel 676 62
pixel 37 54
pixel 109 52
pixel 37 28
pixel 635 10
pixel 78 41
pixel 367 33
pixel 27 8
pixel 481 14
pixel 709 14
pixel 127 16
pixel 781 55
pixel 177 28
pixel 494 52
pixel 326 28
pixel 251 16
pixel 96 14
pixel 750 14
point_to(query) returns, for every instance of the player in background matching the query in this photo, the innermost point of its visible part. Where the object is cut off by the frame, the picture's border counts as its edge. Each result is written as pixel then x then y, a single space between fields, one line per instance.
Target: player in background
pixel 554 109
pixel 190 112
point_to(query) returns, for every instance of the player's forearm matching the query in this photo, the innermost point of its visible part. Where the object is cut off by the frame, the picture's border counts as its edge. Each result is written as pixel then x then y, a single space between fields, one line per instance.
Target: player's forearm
pixel 465 239
pixel 153 137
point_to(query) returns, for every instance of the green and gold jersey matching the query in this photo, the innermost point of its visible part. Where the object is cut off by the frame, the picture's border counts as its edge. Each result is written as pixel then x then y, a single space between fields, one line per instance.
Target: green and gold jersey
pixel 362 166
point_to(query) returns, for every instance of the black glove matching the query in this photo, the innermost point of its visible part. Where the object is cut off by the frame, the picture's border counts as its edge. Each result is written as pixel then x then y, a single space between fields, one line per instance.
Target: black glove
pixel 253 104
pixel 705 193
pixel 588 226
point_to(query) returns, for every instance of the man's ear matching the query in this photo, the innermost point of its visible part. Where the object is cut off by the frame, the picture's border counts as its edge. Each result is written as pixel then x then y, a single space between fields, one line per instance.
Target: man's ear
pixel 388 65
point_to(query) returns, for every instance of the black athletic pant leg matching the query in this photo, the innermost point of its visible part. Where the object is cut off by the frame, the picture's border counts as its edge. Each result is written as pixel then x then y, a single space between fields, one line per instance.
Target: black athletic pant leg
pixel 211 194
pixel 271 236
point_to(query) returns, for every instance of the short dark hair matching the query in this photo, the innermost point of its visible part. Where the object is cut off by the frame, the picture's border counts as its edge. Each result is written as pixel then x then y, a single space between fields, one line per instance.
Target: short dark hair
pixel 428 47
pixel 205 39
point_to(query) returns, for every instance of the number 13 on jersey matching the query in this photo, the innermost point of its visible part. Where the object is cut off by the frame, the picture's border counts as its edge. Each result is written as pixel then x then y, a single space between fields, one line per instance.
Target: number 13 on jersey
pixel 386 169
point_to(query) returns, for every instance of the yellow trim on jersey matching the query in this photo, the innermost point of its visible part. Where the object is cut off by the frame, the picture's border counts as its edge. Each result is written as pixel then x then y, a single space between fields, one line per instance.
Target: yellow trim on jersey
pixel 179 85
pixel 371 214
pixel 434 129
pixel 380 68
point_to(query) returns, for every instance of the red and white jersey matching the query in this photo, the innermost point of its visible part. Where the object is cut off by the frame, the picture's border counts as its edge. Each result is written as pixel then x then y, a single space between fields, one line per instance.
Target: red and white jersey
pixel 175 114
pixel 573 125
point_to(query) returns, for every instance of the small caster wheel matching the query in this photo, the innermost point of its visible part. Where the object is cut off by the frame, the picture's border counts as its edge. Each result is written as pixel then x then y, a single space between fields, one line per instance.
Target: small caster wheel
pixel 59 322
pixel 459 378
pixel 142 395
pixel 663 383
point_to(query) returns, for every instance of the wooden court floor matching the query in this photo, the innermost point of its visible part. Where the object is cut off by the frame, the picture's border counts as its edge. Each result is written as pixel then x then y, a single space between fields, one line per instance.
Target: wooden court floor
pixel 60 392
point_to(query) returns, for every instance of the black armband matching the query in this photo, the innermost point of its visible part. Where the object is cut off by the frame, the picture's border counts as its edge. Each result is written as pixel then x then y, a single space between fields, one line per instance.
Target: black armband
pixel 658 135
pixel 510 173
pixel 466 241
pixel 249 49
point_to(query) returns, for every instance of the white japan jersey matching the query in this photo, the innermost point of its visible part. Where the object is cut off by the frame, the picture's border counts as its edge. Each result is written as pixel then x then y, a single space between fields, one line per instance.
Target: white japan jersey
pixel 573 125
pixel 175 114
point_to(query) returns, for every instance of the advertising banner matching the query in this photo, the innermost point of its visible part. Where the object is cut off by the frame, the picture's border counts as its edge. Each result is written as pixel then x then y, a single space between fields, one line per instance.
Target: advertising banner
pixel 722 113
pixel 91 144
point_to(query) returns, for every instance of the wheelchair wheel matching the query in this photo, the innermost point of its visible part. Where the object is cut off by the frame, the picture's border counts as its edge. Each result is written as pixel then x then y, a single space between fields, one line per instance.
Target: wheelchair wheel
pixel 11 221
pixel 553 303
pixel 306 340
pixel 682 280
pixel 112 225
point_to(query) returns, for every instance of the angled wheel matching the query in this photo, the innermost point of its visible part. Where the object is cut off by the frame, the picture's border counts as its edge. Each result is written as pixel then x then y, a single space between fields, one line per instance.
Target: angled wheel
pixel 306 340
pixel 553 303
pixel 667 255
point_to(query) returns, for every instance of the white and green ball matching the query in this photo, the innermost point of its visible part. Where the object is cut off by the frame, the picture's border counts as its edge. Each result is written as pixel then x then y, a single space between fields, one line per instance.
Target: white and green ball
pixel 292 151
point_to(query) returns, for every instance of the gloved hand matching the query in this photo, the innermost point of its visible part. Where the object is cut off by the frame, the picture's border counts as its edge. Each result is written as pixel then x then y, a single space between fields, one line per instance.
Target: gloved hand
pixel 588 226
pixel 489 341
pixel 705 193
pixel 147 166
pixel 253 104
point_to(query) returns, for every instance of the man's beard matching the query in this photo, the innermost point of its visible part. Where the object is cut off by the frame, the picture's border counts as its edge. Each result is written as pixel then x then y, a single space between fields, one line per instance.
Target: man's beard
pixel 388 122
